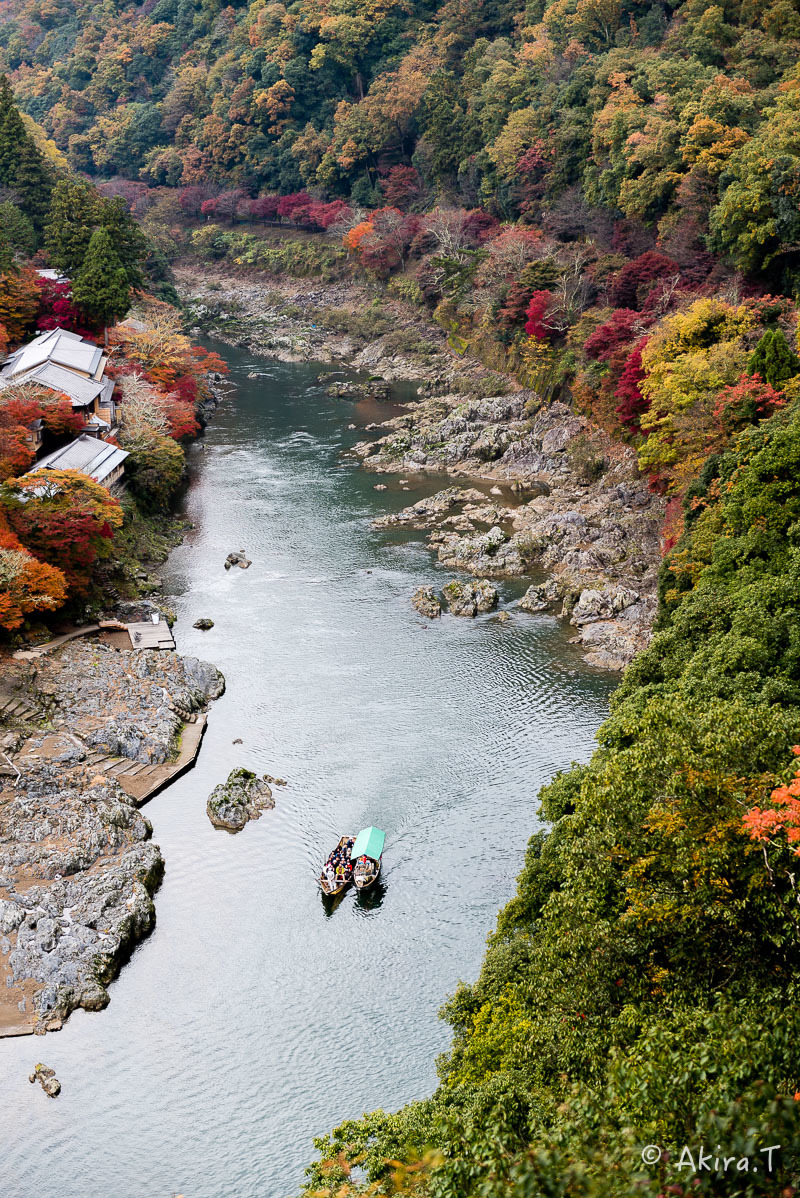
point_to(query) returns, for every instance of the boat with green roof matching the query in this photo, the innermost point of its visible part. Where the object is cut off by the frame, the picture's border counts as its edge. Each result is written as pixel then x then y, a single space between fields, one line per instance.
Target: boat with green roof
pixel 366 856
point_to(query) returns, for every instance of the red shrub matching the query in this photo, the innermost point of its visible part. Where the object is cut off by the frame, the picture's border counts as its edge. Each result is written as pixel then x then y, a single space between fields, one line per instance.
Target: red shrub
pixel 629 289
pixel 402 187
pixel 631 401
pixel 617 331
pixel 537 307
pixel 56 309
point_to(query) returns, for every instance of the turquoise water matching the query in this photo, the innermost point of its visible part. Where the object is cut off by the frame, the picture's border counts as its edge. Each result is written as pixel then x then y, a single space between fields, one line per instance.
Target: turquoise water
pixel 255 1017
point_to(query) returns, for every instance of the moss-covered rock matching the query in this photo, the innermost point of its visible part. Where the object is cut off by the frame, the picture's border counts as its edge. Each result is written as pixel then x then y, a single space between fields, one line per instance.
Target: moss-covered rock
pixel 470 598
pixel 243 797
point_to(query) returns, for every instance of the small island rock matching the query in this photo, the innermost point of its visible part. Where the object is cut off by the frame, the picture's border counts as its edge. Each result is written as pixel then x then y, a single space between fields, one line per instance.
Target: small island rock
pixel 203 624
pixel 243 797
pixel 47 1079
pixel 470 598
pixel 239 559
pixel 427 602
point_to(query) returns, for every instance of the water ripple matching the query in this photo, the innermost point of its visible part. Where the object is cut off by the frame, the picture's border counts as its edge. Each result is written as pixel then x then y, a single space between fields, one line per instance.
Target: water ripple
pixel 238 1030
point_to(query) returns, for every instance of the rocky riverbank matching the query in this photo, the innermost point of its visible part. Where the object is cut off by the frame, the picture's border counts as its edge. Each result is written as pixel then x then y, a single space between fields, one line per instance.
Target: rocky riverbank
pixel 581 516
pixel 582 523
pixel 78 868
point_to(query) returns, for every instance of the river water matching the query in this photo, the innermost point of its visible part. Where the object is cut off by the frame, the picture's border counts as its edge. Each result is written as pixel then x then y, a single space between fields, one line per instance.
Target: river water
pixel 255 1017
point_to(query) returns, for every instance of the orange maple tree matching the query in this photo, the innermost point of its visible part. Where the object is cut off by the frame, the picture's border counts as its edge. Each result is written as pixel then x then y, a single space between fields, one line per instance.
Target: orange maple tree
pixel 19 302
pixel 762 823
pixel 26 584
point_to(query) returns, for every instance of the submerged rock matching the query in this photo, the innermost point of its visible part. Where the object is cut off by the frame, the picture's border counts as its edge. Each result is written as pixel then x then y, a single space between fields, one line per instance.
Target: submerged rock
pixel 243 797
pixel 427 602
pixel 204 624
pixel 470 598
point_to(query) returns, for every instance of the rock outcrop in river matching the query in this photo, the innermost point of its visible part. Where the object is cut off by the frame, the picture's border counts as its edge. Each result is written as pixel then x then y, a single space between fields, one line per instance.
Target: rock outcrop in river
pixel 244 796
pixel 77 866
pixel 576 508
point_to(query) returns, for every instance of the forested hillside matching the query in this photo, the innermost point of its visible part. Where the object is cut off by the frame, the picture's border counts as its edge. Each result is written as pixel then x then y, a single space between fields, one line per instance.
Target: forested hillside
pixel 681 116
pixel 602 197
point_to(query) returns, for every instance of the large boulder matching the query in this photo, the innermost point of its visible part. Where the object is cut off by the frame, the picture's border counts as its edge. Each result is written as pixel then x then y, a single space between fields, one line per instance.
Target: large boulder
pixel 243 797
pixel 595 604
pixel 470 598
pixel 541 596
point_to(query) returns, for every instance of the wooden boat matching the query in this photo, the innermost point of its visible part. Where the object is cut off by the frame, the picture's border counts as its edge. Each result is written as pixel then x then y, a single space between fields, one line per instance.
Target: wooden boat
pixel 366 855
pixel 332 881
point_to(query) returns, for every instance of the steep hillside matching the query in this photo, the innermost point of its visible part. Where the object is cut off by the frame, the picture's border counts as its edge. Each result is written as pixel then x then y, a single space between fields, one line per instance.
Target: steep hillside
pixel 678 116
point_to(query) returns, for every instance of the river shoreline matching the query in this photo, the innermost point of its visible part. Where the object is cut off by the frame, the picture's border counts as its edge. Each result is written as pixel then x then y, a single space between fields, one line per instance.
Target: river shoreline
pixel 585 519
pixel 78 869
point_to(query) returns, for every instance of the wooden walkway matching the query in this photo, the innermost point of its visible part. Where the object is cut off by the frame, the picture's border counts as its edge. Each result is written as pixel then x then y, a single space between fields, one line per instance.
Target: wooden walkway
pixel 145 635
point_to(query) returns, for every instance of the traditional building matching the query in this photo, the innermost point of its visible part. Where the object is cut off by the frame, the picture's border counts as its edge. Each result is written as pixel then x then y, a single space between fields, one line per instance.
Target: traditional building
pixel 103 462
pixel 69 365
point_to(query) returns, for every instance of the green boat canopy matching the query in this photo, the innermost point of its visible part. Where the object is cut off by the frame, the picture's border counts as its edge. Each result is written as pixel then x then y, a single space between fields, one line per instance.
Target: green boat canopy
pixel 369 843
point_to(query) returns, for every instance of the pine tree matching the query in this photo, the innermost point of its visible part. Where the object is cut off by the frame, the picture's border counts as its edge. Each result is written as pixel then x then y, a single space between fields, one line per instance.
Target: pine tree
pixel 72 219
pixel 7 266
pixel 773 359
pixel 8 149
pixel 17 229
pixel 101 286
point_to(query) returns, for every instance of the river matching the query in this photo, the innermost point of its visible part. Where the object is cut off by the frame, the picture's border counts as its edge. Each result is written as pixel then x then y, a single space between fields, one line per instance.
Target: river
pixel 254 1017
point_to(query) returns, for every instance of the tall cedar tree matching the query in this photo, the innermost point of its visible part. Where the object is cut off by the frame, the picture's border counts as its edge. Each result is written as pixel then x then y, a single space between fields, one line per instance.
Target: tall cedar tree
pixel 76 212
pixel 71 222
pixel 101 286
pixel 6 255
pixel 23 170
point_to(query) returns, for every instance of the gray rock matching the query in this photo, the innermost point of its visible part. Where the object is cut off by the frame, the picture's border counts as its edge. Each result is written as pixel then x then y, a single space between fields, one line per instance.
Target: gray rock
pixel 203 624
pixel 427 602
pixel 244 796
pixel 470 598
pixel 540 596
pixel 47 1079
pixel 596 604
pixel 238 559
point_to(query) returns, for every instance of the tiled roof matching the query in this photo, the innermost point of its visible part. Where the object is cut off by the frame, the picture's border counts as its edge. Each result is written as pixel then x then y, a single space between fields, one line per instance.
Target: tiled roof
pixel 96 458
pixel 56 346
pixel 81 391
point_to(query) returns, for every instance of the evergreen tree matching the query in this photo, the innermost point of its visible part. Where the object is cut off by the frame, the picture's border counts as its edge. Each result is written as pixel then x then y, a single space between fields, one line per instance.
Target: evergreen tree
pixel 773 359
pixel 23 169
pixel 129 241
pixel 8 149
pixel 101 286
pixel 17 229
pixel 72 219
pixel 7 265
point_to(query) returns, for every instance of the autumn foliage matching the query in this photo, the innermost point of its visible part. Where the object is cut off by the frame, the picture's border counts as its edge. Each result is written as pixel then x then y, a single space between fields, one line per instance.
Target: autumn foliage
pixel 27 585
pixel 65 519
pixel 762 824
pixel 20 407
pixel 19 302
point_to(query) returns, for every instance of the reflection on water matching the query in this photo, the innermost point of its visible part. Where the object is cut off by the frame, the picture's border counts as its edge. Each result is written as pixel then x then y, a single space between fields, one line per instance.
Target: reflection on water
pixel 230 1037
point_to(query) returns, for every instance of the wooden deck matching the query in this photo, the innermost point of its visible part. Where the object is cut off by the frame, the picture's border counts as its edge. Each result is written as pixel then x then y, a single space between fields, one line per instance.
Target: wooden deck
pixel 151 636
pixel 144 635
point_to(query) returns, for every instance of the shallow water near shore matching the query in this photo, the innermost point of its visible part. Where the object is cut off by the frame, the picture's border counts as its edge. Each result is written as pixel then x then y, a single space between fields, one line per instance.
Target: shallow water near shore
pixel 255 1016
